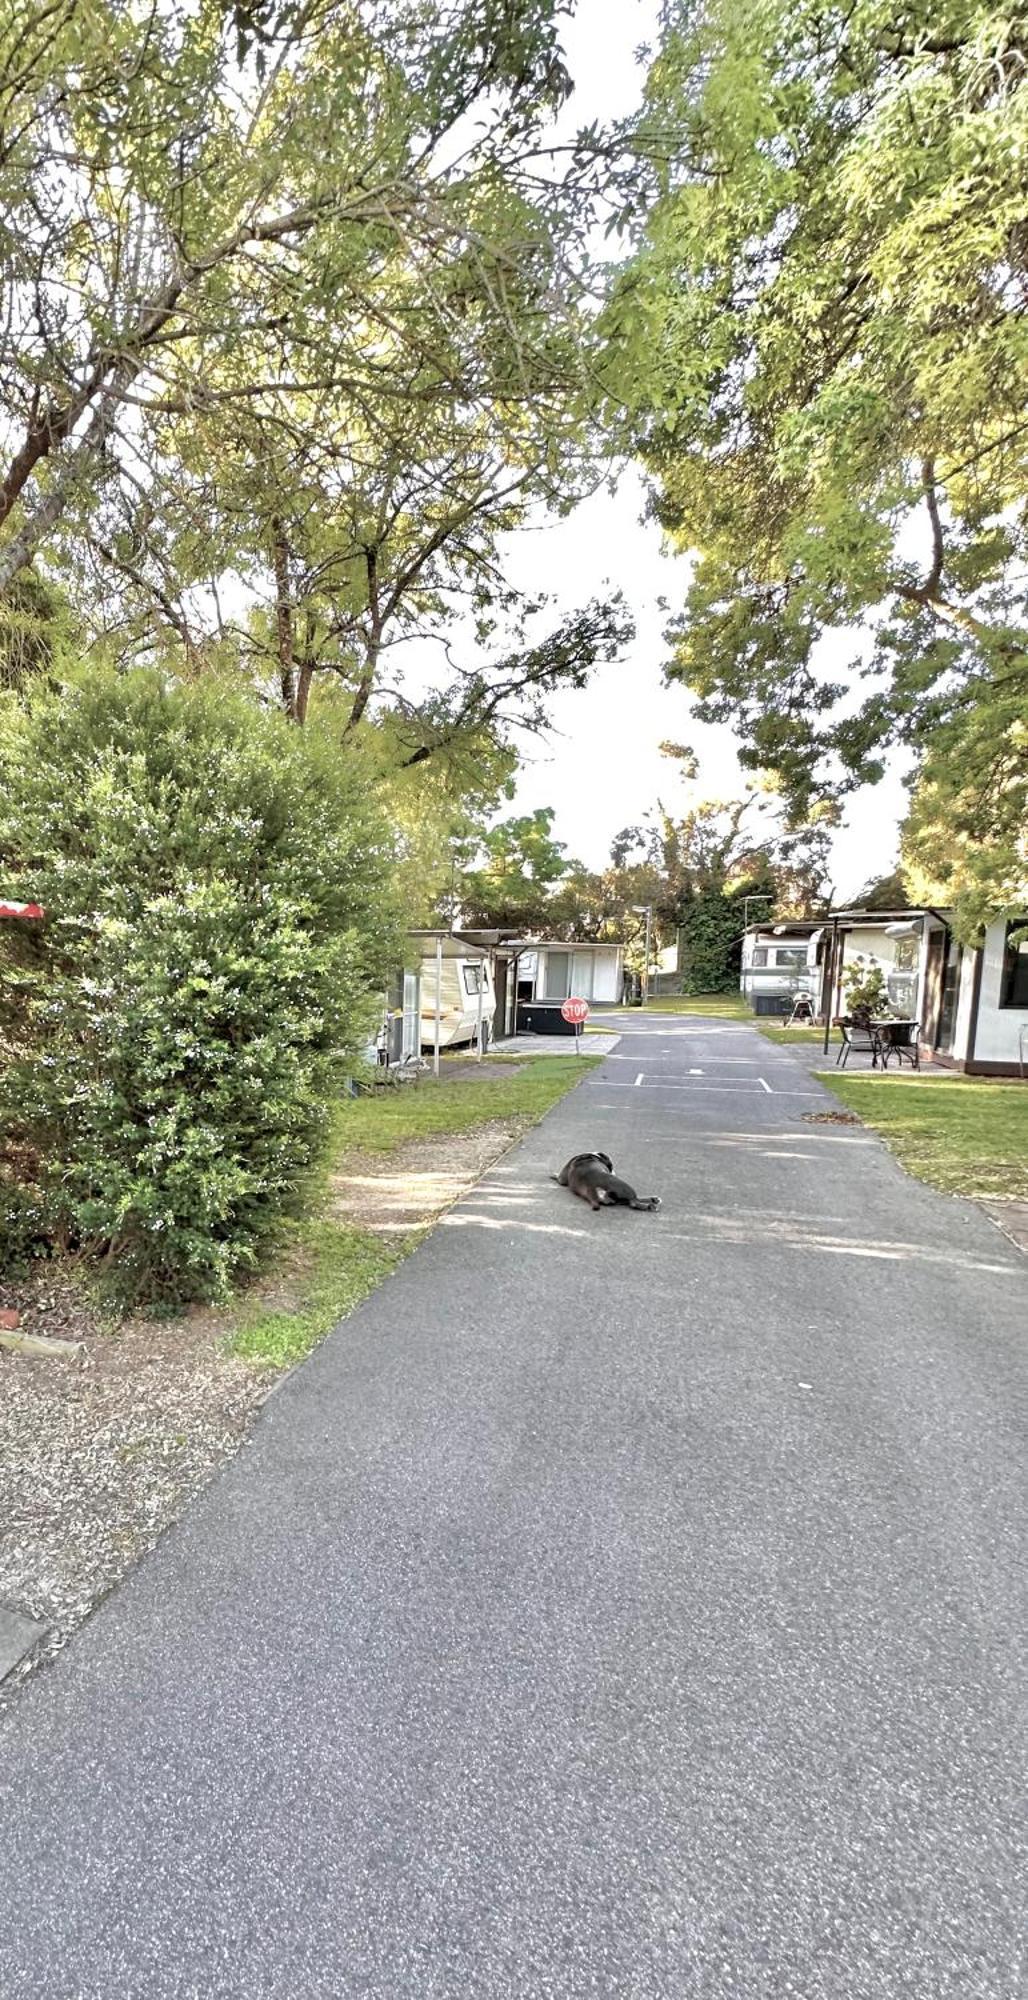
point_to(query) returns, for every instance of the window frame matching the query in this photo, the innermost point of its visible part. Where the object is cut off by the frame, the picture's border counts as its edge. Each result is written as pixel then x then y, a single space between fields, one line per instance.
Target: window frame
pixel 1015 967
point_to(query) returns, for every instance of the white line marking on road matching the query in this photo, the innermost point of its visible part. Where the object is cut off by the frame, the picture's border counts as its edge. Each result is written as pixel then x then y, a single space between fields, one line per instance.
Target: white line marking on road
pixel 638 1080
pixel 696 1072
pixel 765 1086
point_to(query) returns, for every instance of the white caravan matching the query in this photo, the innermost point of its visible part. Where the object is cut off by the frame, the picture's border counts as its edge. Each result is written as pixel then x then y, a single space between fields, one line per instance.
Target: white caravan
pixel 460 974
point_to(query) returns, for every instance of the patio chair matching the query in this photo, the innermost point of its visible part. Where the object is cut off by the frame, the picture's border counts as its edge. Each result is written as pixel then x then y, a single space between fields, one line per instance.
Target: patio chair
pixel 865 1041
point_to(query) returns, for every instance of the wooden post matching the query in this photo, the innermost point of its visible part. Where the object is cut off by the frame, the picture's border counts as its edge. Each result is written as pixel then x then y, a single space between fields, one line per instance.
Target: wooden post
pixel 438 1002
pixel 832 950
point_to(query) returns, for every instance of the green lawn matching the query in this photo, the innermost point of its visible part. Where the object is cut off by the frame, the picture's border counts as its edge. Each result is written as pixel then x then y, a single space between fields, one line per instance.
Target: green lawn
pixel 329 1266
pixel 378 1123
pixel 965 1135
pixel 718 1006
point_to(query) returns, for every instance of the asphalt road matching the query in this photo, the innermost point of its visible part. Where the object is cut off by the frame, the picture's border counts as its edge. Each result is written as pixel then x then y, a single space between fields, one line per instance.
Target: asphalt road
pixel 617 1605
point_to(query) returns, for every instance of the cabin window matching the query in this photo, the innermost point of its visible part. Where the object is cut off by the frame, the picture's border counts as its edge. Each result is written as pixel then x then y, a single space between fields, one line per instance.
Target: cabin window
pixel 558 975
pixel 1014 987
pixel 475 979
pixel 791 954
pixel 759 955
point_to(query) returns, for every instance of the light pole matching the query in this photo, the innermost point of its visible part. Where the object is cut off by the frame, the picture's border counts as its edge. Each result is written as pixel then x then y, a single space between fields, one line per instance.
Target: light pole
pixel 747 900
pixel 645 910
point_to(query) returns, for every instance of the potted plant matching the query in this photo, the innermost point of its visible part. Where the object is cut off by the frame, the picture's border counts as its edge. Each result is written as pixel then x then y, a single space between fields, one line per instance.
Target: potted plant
pixel 867 999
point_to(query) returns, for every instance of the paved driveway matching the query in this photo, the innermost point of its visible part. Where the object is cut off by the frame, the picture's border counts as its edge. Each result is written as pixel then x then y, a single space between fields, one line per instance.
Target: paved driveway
pixel 619 1605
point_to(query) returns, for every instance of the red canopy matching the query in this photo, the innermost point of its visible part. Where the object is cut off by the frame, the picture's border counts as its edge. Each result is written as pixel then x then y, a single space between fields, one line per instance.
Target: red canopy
pixel 22 910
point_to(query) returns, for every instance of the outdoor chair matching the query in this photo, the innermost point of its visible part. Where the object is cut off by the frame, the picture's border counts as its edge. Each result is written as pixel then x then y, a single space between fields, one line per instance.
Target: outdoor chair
pixel 866 1041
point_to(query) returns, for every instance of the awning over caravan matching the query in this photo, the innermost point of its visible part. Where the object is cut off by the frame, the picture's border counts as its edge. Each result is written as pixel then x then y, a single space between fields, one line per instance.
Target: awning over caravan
pixel 453 945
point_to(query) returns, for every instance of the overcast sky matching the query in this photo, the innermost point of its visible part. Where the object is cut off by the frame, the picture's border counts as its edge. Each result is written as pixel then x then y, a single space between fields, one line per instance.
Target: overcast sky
pixel 601 768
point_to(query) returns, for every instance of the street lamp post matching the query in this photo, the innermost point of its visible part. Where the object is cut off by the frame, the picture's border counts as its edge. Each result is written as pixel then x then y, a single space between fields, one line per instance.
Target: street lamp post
pixel 747 900
pixel 646 910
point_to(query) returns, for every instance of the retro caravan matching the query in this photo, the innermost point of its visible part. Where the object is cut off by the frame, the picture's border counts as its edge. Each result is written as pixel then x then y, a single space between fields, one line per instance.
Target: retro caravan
pixel 457 990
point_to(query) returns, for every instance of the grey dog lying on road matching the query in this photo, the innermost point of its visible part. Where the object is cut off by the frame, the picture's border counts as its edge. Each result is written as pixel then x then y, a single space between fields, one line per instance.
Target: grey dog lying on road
pixel 592 1176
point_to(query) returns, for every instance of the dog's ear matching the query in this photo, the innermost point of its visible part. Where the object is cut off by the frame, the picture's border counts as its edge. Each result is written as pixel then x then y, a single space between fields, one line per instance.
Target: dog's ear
pixel 609 1164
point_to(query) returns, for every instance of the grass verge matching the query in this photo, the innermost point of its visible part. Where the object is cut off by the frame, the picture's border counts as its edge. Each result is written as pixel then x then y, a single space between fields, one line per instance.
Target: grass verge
pixel 328 1266
pixel 717 1006
pixel 966 1135
pixel 526 1090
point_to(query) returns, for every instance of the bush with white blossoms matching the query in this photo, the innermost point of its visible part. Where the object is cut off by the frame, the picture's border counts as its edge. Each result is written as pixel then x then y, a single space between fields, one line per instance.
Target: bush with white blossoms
pixel 218 917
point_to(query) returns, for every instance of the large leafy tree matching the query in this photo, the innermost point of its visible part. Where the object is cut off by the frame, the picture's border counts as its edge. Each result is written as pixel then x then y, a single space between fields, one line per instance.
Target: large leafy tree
pixel 510 873
pixel 825 339
pixel 299 324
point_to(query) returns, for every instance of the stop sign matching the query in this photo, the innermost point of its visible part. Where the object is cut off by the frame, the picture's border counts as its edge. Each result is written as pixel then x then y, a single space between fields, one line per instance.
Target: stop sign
pixel 576 1011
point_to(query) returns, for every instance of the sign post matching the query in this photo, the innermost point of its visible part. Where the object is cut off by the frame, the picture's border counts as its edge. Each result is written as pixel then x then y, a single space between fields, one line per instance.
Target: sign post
pixel 576 1011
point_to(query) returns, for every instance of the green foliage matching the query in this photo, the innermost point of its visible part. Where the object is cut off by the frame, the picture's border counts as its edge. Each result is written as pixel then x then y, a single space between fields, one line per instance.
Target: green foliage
pixel 314 255
pixel 36 630
pixel 710 945
pixel 218 907
pixel 965 840
pixel 884 892
pixel 824 342
pixel 520 865
pixel 866 992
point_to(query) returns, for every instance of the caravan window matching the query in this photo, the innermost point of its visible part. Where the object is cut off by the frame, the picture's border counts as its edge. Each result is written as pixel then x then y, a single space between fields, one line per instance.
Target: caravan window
pixel 474 977
pixel 558 975
pixel 1014 990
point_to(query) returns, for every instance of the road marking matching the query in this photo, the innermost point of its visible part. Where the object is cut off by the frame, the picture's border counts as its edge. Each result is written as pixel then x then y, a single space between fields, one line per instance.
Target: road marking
pixel 699 1072
pixel 765 1086
pixel 638 1080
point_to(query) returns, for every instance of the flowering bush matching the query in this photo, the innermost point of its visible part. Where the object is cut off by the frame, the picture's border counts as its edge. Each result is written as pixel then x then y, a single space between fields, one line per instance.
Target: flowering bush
pixel 216 885
pixel 866 992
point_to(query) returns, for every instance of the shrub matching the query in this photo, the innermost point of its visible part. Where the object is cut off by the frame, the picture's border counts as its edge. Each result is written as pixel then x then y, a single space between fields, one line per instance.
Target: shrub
pixel 218 910
pixel 866 992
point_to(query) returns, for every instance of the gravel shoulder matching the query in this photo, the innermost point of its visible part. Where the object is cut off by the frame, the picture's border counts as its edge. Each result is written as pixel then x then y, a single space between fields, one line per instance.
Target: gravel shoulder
pixel 99 1456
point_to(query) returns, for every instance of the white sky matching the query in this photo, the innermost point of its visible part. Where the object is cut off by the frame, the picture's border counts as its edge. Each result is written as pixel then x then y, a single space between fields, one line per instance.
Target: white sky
pixel 601 767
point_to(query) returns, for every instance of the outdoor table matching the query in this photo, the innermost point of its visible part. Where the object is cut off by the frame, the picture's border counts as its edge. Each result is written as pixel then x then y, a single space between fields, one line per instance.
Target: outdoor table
pixel 898 1038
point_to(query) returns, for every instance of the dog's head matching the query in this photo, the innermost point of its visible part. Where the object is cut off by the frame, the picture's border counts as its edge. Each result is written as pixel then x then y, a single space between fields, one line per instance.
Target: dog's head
pixel 602 1157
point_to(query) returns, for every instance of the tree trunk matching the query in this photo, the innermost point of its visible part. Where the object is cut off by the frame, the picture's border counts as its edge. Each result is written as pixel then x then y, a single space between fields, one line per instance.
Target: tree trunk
pixel 19 551
pixel 303 687
pixel 284 620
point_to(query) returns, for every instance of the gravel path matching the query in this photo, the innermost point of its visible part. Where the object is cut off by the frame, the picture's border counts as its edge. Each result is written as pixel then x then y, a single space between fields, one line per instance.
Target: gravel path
pixel 98 1459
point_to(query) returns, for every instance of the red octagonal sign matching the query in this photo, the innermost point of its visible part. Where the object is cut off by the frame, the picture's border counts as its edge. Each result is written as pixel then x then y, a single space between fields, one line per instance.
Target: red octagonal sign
pixel 576 1011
